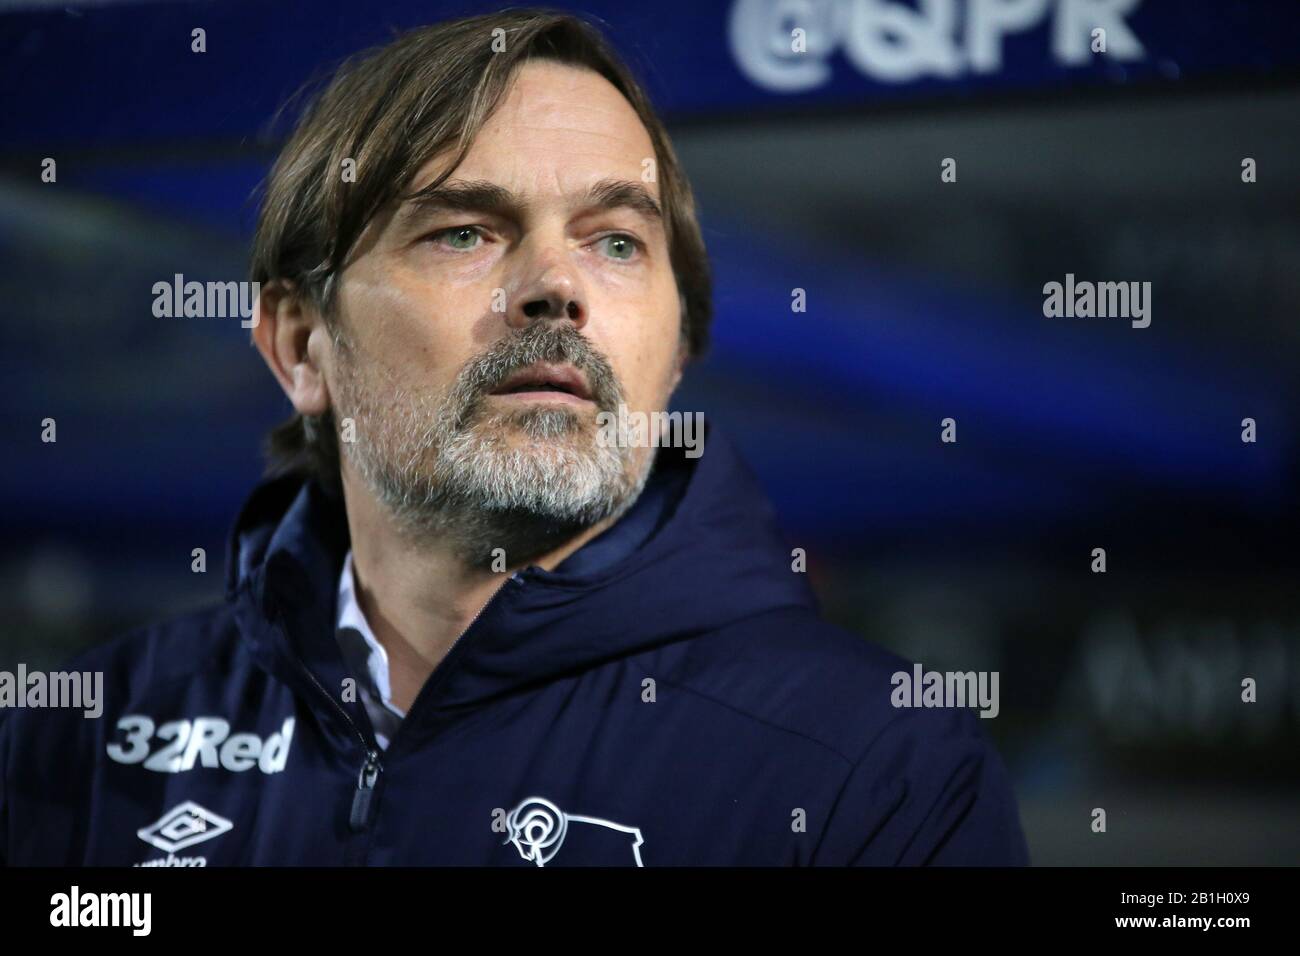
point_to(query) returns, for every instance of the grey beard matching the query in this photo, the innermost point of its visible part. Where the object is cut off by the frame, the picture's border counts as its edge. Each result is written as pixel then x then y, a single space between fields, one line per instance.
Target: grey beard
pixel 523 482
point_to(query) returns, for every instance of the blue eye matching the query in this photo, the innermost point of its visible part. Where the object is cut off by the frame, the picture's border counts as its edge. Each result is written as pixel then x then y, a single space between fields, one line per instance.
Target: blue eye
pixel 619 246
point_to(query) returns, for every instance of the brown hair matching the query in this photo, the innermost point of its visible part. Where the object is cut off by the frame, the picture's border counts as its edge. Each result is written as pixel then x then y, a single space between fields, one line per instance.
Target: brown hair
pixel 390 109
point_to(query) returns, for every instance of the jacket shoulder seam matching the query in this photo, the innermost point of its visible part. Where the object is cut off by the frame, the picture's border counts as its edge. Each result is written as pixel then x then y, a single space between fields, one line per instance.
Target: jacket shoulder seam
pixel 754 717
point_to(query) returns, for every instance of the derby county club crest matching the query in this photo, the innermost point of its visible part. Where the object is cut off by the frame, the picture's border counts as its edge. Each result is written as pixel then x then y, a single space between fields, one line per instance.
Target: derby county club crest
pixel 538 829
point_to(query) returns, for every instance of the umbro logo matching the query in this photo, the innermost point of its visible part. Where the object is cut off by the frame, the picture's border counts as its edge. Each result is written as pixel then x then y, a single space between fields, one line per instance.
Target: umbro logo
pixel 183 826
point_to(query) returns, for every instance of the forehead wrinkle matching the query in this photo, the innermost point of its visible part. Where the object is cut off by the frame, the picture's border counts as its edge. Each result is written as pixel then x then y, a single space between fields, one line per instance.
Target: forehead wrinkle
pixel 584 130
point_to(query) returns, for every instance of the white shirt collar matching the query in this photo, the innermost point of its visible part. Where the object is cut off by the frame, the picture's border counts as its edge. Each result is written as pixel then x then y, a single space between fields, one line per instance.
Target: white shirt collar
pixel 374 682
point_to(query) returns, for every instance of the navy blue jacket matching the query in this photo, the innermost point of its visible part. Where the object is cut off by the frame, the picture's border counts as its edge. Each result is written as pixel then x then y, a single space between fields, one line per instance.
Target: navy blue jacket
pixel 667 696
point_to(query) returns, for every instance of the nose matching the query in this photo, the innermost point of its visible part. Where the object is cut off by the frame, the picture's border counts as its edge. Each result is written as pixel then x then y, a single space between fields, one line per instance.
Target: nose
pixel 550 290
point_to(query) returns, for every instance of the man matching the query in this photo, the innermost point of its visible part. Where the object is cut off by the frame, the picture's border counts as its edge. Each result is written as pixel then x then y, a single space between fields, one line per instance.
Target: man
pixel 465 622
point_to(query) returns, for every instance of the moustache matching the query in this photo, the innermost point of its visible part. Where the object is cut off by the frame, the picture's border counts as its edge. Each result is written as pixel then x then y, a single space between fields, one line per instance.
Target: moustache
pixel 560 345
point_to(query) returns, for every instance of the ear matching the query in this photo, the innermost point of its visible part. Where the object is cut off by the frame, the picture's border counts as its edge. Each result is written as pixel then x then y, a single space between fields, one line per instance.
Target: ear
pixel 683 353
pixel 683 345
pixel 292 337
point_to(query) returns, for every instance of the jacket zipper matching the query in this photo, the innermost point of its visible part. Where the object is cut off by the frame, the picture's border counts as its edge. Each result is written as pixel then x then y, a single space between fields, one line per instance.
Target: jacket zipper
pixel 363 802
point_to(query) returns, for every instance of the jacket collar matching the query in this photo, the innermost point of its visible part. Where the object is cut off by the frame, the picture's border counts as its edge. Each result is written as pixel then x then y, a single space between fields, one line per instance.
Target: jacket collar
pixel 704 553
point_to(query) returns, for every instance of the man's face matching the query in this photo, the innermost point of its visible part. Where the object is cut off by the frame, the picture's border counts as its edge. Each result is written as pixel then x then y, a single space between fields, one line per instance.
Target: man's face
pixel 480 337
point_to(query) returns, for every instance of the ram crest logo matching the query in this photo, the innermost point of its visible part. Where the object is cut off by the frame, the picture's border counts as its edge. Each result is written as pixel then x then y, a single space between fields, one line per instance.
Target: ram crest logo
pixel 538 828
